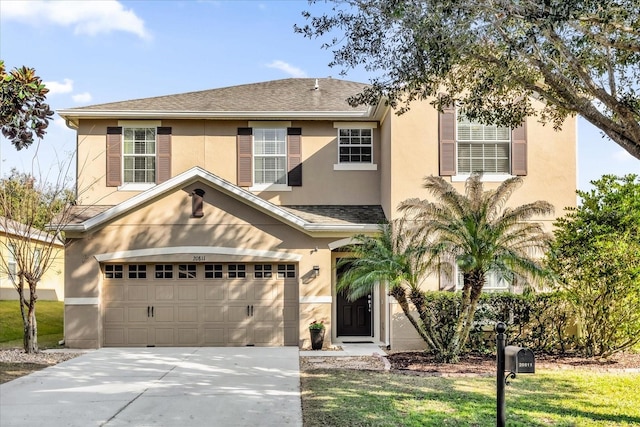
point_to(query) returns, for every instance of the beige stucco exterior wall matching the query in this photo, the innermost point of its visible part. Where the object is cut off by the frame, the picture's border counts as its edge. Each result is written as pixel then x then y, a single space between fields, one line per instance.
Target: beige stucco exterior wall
pixel 51 286
pixel 551 176
pixel 211 145
pixel 227 223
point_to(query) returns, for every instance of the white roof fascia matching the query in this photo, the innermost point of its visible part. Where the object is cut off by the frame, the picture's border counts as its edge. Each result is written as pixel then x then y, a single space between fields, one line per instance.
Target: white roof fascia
pixel 179 181
pixel 151 114
pixel 214 250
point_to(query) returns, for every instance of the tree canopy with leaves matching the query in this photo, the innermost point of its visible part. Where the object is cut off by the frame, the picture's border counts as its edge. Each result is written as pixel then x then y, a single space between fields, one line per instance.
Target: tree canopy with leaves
pixel 596 257
pixel 495 57
pixel 24 113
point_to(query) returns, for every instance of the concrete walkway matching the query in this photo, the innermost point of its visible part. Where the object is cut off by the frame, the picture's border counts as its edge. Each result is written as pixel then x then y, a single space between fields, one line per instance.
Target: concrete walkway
pixel 247 386
pixel 347 350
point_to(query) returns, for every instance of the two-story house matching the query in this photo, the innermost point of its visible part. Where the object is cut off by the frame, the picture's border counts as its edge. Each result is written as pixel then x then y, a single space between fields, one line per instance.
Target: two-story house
pixel 215 218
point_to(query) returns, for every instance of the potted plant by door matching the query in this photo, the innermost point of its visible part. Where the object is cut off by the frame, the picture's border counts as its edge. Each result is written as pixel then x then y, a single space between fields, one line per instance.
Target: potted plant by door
pixel 316 329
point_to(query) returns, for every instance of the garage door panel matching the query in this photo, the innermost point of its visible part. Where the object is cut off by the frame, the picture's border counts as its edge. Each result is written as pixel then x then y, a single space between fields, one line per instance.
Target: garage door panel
pixel 114 336
pixel 114 315
pixel 267 335
pixel 164 336
pixel 137 336
pixel 265 292
pixel 237 291
pixel 137 314
pixel 238 313
pixel 113 293
pixel 164 313
pixel 188 293
pixel 137 293
pixel 188 336
pixel 188 314
pixel 214 336
pixel 266 313
pixel 214 291
pixel 214 313
pixel 163 292
pixel 237 336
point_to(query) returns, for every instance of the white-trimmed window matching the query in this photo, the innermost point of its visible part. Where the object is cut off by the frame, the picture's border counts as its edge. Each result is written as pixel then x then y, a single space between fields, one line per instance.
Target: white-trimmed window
pixel 139 155
pixel 355 145
pixel 494 283
pixel 269 156
pixel 482 148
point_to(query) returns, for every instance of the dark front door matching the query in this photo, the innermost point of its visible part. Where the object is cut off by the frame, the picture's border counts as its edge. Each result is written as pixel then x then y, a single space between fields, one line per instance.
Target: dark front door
pixel 354 317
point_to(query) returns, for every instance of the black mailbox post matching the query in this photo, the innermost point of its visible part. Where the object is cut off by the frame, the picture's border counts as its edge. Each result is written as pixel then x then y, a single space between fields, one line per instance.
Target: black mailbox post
pixel 519 360
pixel 513 360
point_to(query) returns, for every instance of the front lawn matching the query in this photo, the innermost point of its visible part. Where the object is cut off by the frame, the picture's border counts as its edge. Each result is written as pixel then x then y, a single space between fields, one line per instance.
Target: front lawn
pixel 548 398
pixel 50 317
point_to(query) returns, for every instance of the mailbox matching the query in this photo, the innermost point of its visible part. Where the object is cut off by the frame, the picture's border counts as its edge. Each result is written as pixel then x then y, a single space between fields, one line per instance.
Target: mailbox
pixel 519 360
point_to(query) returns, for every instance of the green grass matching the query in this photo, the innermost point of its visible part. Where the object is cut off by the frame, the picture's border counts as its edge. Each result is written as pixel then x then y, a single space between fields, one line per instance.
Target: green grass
pixel 49 314
pixel 549 398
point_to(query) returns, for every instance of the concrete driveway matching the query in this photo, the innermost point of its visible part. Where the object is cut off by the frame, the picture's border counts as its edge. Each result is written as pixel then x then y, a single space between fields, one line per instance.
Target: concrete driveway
pixel 248 386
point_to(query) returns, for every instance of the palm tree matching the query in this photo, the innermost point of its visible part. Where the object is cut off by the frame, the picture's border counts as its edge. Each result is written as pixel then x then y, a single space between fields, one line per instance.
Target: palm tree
pixel 395 258
pixel 479 234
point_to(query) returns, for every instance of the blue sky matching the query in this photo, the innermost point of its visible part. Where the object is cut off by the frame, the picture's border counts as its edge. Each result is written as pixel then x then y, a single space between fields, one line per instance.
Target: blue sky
pixel 101 51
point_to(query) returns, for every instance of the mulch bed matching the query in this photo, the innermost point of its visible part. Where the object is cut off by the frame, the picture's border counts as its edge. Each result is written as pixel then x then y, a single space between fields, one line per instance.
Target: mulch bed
pixel 426 364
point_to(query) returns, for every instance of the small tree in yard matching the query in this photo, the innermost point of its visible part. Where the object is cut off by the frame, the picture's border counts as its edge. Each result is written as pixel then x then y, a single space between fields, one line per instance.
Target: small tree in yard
pixel 26 208
pixel 477 233
pixel 596 257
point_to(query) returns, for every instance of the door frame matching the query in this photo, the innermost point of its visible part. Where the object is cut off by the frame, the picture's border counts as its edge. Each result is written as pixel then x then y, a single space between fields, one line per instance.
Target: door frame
pixel 375 303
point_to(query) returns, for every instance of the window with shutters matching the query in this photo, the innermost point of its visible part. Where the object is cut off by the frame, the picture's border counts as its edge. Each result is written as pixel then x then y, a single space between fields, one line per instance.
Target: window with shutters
pixel 139 155
pixel 270 156
pixel 482 148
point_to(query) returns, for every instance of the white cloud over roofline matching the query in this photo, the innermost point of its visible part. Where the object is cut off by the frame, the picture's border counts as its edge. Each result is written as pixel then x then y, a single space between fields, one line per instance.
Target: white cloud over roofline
pixel 287 68
pixel 85 17
pixel 82 98
pixel 56 87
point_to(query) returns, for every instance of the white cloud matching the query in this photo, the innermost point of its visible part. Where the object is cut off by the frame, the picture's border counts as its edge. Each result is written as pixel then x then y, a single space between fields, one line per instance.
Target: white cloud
pixel 86 17
pixel 287 68
pixel 57 87
pixel 622 156
pixel 82 98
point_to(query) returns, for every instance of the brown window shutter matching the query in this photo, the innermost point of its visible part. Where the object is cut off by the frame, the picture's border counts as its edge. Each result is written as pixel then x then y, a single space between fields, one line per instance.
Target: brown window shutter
pixel 245 154
pixel 114 156
pixel 519 150
pixel 163 165
pixel 447 140
pixel 294 157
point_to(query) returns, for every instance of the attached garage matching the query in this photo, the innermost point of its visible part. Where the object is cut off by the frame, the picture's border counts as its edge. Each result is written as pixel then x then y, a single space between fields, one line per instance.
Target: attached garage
pixel 200 304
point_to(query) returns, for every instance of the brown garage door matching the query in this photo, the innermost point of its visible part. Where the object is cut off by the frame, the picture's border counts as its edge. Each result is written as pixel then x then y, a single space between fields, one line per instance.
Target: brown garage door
pixel 200 304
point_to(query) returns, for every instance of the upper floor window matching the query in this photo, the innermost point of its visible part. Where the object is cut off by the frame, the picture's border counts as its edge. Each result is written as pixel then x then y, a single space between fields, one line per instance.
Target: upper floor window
pixel 270 156
pixel 355 145
pixel 139 155
pixel 482 148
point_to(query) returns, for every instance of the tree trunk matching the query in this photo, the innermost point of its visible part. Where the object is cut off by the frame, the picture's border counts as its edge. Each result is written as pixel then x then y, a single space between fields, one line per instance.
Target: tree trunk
pixel 399 294
pixel 29 321
pixel 473 283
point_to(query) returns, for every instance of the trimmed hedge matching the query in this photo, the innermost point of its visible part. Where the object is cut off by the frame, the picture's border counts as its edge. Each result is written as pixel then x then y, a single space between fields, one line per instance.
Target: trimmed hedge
pixel 542 322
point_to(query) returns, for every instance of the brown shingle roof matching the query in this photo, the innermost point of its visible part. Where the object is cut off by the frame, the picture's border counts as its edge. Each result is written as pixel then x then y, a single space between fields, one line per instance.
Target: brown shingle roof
pixel 287 95
pixel 338 214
